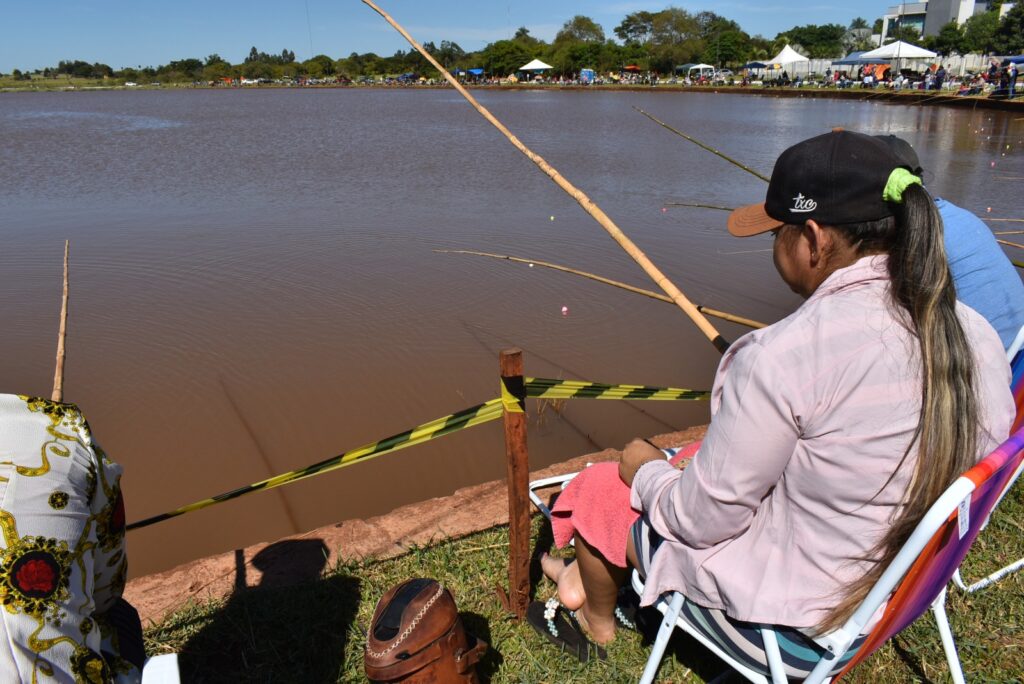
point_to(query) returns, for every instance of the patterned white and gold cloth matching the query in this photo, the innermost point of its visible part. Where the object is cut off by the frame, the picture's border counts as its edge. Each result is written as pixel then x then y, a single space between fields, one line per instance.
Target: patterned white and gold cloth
pixel 62 558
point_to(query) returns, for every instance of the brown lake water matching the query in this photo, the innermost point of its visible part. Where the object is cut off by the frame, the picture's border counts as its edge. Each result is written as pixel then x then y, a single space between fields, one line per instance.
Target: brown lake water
pixel 254 287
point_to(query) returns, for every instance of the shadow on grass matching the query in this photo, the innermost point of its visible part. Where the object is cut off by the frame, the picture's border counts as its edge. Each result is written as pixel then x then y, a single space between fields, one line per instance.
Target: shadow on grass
pixel 491 660
pixel 292 627
pixel 911 660
pixel 693 655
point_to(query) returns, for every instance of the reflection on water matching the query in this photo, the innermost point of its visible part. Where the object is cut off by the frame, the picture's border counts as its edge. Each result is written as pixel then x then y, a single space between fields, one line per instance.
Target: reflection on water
pixel 254 287
pixel 80 122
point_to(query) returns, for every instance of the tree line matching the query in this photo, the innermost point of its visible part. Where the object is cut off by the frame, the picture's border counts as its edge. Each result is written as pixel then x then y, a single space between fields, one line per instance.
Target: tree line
pixel 651 41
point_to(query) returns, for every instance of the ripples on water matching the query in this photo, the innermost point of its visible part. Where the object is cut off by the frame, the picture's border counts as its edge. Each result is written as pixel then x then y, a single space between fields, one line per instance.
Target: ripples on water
pixel 254 287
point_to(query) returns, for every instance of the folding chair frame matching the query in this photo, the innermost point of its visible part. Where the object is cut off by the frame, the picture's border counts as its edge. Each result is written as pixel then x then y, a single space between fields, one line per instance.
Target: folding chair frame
pixel 1002 572
pixel 835 644
pixel 1016 359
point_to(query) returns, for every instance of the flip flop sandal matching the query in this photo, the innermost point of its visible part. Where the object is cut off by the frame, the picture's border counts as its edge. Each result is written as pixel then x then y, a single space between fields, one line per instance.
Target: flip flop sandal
pixel 559 626
pixel 627 609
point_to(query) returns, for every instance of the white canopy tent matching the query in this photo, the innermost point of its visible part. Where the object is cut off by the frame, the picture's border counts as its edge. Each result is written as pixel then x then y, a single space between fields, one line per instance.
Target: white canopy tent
pixel 899 50
pixel 703 71
pixel 535 65
pixel 788 58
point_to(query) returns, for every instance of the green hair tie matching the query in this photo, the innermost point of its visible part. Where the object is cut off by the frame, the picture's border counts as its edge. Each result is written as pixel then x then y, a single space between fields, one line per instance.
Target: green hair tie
pixel 899 180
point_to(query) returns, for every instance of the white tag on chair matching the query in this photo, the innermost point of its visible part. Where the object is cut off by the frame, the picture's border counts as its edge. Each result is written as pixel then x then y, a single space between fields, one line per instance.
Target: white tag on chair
pixel 963 514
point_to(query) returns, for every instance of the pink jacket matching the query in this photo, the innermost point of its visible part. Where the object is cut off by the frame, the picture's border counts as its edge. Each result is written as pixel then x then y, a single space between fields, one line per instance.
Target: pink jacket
pixel 810 417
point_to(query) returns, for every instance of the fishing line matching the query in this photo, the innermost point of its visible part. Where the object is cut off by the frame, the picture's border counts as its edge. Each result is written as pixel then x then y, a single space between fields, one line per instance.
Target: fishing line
pixel 747 251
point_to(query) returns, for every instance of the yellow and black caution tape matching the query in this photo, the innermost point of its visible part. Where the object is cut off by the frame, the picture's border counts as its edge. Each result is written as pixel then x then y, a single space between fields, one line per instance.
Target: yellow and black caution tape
pixel 513 394
pixel 476 415
pixel 422 433
pixel 542 388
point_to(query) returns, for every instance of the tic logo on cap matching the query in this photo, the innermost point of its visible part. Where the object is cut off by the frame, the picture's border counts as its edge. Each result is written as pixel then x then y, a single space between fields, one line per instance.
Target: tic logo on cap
pixel 802 205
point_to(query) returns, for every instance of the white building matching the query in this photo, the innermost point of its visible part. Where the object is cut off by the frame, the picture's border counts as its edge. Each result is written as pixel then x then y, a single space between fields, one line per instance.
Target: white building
pixel 906 14
pixel 929 17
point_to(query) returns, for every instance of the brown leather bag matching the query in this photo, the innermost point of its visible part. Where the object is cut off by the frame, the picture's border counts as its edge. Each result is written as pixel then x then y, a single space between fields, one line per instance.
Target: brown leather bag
pixel 417 637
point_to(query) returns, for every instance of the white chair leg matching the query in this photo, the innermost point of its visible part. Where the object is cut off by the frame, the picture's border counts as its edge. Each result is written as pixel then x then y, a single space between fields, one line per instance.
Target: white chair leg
pixel 820 673
pixel 668 624
pixel 773 656
pixel 946 634
pixel 990 579
pixel 958 580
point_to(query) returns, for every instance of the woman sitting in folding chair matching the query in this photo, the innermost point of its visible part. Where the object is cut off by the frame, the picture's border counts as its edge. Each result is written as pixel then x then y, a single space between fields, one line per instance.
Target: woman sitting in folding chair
pixel 832 431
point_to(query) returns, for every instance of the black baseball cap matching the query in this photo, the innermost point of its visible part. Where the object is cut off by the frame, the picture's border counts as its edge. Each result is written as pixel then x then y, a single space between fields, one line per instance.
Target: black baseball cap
pixel 904 152
pixel 834 178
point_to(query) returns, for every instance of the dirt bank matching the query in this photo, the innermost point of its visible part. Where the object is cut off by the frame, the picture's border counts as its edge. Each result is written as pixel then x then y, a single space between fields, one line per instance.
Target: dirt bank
pixel 468 510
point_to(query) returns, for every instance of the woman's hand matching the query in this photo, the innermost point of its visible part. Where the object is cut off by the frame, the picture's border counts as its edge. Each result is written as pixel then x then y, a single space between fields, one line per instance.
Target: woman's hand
pixel 635 454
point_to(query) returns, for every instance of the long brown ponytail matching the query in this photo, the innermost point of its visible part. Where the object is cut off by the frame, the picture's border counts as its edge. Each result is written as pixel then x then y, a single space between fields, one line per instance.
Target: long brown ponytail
pixel 946 435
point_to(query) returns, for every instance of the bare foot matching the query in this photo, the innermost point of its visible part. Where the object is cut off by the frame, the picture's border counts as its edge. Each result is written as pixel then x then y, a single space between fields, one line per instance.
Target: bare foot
pixel 597 630
pixel 567 576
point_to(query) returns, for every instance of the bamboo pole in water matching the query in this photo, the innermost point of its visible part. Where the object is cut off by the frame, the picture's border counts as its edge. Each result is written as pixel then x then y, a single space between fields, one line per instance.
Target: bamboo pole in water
pixel 698 206
pixel 584 201
pixel 750 323
pixel 710 149
pixel 58 374
pixel 749 170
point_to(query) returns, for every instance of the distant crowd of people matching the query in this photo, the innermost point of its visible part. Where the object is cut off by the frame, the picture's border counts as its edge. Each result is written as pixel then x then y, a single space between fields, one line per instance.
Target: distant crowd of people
pixel 999 80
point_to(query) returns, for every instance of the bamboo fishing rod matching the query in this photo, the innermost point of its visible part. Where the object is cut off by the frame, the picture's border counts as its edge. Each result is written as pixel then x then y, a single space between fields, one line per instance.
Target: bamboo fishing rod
pixel 58 374
pixel 588 205
pixel 698 206
pixel 750 170
pixel 1008 232
pixel 725 316
pixel 880 92
pixel 1009 244
pixel 698 143
pixel 929 99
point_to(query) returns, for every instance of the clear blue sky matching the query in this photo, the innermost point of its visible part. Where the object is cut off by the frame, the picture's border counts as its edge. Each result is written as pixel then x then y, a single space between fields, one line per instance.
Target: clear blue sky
pixel 121 33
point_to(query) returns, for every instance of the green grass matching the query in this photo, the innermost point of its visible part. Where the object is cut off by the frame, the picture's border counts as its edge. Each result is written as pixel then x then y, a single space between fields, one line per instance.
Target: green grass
pixel 58 83
pixel 315 631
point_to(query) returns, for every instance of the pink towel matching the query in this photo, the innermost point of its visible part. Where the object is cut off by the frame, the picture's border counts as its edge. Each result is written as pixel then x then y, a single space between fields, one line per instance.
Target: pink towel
pixel 595 504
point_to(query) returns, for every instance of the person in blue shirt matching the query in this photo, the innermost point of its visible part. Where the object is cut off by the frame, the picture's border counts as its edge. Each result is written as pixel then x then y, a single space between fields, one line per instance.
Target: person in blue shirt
pixel 985 279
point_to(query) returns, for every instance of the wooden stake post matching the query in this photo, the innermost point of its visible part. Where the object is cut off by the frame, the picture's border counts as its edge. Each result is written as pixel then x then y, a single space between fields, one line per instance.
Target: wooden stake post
pixel 513 394
pixel 58 373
